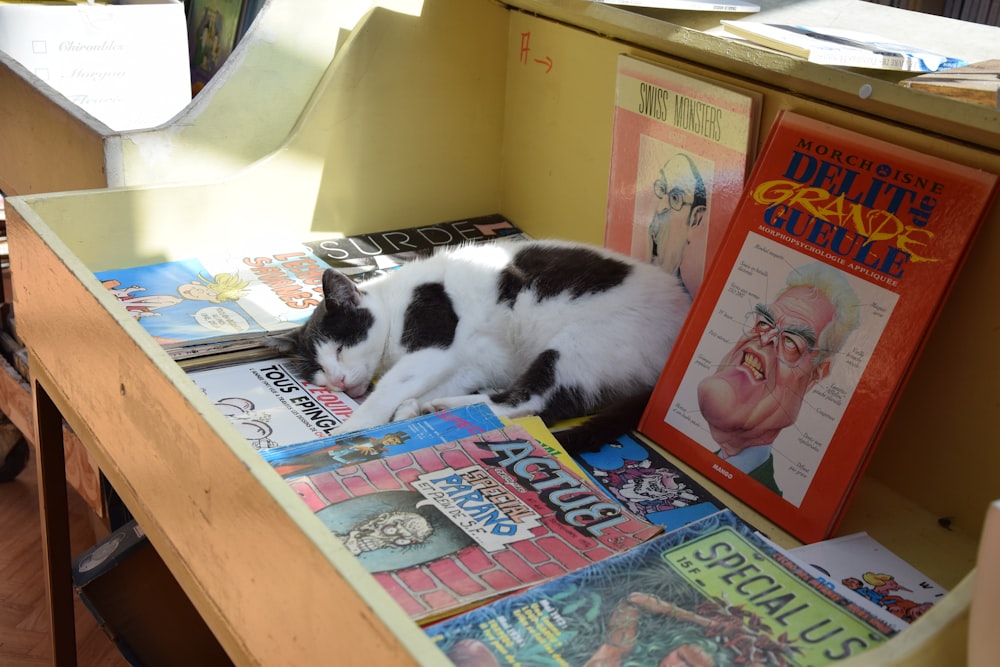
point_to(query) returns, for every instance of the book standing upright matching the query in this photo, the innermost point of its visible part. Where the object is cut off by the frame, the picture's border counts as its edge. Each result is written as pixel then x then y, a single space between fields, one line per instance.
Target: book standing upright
pixel 837 262
pixel 681 149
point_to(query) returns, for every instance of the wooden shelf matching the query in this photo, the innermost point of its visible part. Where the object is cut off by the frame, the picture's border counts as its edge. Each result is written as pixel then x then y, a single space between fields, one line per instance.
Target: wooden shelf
pixel 436 116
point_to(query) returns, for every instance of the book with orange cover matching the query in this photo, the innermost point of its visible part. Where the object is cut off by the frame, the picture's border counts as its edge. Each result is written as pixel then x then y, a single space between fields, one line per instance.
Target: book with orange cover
pixel 839 258
pixel 681 149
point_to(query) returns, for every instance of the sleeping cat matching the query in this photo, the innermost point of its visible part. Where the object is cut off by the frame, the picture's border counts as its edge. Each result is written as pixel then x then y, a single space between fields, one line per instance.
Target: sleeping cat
pixel 552 328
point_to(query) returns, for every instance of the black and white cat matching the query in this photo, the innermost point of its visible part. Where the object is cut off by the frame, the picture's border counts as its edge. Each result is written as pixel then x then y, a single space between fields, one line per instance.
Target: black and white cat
pixel 552 328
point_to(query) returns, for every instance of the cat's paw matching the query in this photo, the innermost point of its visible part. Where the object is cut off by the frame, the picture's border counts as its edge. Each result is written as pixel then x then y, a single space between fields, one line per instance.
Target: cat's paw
pixel 408 409
pixel 452 402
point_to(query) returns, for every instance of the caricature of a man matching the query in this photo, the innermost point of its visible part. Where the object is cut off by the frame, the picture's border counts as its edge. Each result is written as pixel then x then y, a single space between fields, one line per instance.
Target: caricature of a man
pixel 682 201
pixel 787 346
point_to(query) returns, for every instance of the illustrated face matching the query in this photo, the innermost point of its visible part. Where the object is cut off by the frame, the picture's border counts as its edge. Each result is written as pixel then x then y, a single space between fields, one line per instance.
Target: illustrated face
pixel 758 388
pixel 390 530
pixel 676 213
pixel 196 291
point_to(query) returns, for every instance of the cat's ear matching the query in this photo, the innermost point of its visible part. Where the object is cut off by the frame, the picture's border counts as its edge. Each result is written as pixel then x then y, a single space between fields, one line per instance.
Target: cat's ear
pixel 339 290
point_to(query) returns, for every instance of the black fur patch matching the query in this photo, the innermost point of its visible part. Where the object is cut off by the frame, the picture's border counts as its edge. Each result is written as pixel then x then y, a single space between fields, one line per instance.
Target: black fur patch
pixel 565 402
pixel 430 320
pixel 554 271
pixel 539 378
pixel 347 326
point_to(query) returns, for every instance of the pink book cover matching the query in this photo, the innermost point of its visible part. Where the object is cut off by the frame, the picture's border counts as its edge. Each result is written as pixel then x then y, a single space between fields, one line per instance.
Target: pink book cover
pixel 681 149
pixel 454 525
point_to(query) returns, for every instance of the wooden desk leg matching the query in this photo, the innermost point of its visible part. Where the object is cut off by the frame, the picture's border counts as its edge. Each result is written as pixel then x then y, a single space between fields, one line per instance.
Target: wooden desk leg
pixel 54 508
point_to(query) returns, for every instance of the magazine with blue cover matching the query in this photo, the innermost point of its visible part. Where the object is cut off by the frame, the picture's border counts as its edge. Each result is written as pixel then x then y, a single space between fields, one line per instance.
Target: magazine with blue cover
pixel 646 483
pixel 219 298
pixel 337 451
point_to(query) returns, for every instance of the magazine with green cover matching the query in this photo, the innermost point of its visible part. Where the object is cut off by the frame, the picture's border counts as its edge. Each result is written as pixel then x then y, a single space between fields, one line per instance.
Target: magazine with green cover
pixel 710 593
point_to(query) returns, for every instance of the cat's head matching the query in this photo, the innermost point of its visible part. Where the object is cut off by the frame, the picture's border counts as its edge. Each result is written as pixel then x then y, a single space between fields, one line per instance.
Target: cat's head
pixel 339 345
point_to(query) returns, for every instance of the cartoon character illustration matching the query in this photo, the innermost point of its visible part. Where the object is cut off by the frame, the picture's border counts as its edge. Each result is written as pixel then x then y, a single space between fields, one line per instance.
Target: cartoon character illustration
pixel 786 347
pixel 353 448
pixel 394 530
pixel 644 490
pixel 647 484
pixel 217 289
pixel 140 306
pixel 361 448
pixel 388 530
pixel 881 590
pixel 252 425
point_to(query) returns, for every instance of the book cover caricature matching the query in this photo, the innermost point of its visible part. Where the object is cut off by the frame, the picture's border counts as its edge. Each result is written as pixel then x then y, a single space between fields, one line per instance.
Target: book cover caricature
pixel 865 567
pixel 270 406
pixel 407 435
pixel 839 258
pixel 366 256
pixel 459 523
pixel 647 484
pixel 681 149
pixel 227 297
pixel 710 593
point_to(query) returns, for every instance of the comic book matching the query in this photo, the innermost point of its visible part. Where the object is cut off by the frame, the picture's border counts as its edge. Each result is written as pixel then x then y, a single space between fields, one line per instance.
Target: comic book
pixel 863 566
pixel 220 301
pixel 456 524
pixel 838 261
pixel 646 483
pixel 270 405
pixel 366 256
pixel 709 593
pixel 681 148
pixel 407 435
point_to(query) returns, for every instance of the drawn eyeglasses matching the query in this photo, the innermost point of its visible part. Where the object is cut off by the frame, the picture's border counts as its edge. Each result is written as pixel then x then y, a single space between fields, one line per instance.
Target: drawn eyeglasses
pixel 791 343
pixel 675 197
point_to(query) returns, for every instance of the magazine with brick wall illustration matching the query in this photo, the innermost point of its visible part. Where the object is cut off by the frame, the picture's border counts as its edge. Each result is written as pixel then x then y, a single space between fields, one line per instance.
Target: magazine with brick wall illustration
pixel 710 593
pixel 681 149
pixel 838 260
pixel 457 524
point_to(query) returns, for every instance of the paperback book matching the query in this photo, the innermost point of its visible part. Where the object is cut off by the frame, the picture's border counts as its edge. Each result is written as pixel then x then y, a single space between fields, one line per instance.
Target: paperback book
pixel 647 484
pixel 846 48
pixel 866 568
pixel 270 406
pixel 689 5
pixel 456 524
pixel 219 302
pixel 366 256
pixel 681 148
pixel 838 260
pixel 407 435
pixel 709 593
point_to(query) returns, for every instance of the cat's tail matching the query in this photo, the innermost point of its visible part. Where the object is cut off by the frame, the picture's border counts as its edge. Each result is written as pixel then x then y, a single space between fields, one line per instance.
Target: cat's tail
pixel 604 426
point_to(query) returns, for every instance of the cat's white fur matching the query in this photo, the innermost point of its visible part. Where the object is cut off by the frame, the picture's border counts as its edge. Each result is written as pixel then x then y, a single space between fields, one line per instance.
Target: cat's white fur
pixel 620 337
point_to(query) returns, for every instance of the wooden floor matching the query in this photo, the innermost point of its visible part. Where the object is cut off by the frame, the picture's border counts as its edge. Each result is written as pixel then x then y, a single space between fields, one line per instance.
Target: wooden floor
pixel 24 638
